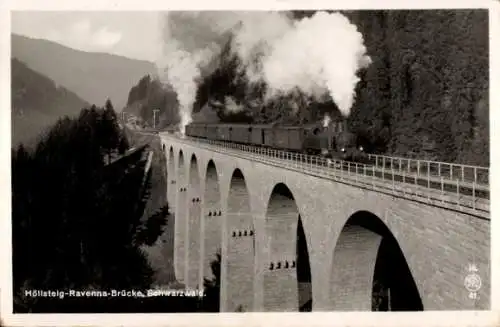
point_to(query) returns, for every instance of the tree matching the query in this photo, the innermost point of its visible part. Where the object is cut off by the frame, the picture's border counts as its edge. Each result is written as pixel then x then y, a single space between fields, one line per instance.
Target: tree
pixel 109 129
pixel 151 94
pixel 149 232
pixel 379 297
pixel 124 145
pixel 140 91
pixel 211 300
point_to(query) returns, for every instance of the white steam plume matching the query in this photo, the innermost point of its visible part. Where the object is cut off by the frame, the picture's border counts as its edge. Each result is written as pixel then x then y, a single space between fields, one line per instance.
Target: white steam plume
pixel 255 36
pixel 181 72
pixel 230 105
pixel 326 120
pixel 190 41
pixel 317 55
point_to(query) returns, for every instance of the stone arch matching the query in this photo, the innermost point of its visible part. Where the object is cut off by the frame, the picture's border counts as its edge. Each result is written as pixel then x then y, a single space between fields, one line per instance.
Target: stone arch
pixel 180 220
pixel 287 279
pixel 212 222
pixel 240 253
pixel 369 270
pixel 192 226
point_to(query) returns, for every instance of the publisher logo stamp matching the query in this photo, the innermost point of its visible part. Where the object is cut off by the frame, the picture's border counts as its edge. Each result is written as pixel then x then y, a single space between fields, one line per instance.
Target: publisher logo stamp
pixel 472 281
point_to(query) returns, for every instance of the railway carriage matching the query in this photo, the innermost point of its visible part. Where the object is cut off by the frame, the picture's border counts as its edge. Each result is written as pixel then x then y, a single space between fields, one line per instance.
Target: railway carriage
pixel 279 137
pixel 333 140
pixel 257 134
pixel 288 137
pixel 268 137
pixel 196 130
pixel 224 132
pixel 200 130
pixel 296 137
pixel 189 129
pixel 211 131
pixel 241 133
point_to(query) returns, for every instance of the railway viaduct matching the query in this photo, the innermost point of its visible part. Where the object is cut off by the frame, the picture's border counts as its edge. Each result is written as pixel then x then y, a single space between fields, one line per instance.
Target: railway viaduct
pixel 291 239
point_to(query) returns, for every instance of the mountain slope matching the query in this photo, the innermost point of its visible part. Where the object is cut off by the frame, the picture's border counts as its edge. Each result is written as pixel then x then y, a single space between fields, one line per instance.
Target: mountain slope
pixel 92 76
pixel 37 103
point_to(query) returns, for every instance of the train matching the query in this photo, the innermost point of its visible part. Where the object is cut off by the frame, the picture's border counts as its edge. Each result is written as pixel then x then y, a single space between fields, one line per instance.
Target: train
pixel 327 139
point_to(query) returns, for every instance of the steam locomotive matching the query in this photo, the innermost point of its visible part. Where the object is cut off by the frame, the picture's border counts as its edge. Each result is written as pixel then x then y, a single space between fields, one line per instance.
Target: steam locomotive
pixel 330 140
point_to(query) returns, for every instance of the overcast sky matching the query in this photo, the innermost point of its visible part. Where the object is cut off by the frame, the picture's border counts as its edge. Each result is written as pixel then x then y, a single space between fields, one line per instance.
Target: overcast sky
pixel 131 34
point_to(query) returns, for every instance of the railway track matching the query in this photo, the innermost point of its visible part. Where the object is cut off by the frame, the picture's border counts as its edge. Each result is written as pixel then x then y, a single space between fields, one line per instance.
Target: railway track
pixel 455 194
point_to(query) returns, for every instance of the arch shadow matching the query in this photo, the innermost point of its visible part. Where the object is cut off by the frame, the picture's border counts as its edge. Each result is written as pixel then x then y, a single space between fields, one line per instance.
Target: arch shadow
pixel 303 267
pixel 372 267
pixel 287 281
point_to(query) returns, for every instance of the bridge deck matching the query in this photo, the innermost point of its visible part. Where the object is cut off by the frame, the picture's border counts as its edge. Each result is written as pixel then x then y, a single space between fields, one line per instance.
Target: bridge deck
pixel 454 194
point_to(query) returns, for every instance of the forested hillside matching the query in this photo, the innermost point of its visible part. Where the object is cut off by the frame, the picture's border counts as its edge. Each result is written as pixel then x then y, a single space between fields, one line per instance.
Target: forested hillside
pixel 425 94
pixel 150 94
pixel 37 102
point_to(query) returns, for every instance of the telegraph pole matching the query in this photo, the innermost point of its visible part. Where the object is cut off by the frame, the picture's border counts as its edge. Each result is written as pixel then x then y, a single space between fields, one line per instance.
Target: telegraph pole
pixel 154 117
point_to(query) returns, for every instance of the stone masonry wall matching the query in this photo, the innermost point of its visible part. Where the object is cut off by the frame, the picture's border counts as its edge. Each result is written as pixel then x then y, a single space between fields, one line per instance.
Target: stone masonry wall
pixel 437 243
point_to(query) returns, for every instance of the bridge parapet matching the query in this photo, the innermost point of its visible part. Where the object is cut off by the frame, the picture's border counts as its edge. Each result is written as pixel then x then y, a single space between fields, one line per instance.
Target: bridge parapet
pixel 451 186
pixel 450 171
